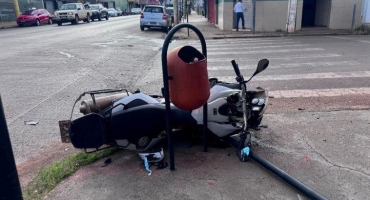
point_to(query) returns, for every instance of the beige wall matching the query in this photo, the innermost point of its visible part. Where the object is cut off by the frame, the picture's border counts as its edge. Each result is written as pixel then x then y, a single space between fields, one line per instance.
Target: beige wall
pixel 220 15
pixel 298 23
pixel 271 15
pixel 225 15
pixel 341 14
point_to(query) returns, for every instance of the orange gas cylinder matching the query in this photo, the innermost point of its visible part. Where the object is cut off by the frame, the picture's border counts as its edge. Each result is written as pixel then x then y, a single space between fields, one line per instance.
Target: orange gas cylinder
pixel 189 84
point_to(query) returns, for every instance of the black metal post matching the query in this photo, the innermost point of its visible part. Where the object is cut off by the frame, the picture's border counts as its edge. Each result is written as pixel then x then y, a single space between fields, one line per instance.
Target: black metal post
pixel 166 78
pixel 310 193
pixel 187 14
pixel 10 186
pixel 187 19
pixel 353 17
pixel 254 17
pixel 205 8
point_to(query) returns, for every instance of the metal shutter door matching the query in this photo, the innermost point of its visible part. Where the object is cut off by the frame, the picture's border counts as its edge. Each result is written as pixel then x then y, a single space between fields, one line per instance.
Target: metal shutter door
pixel 248 14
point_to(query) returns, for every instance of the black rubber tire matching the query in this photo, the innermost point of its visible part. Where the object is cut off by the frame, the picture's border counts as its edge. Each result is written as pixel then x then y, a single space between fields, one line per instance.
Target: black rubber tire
pixel 88 19
pixel 59 23
pixel 99 17
pixel 165 29
pixel 142 28
pixel 136 142
pixel 37 22
pixel 107 17
pixel 77 20
pixel 92 19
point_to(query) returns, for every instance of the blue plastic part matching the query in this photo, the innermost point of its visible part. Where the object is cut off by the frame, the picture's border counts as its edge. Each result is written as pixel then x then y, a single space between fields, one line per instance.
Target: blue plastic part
pixel 246 151
pixel 147 165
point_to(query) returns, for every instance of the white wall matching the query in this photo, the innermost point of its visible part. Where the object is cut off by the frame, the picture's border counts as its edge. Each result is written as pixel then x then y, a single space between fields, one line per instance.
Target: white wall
pixel 220 16
pixel 271 15
pixel 341 14
pixel 366 12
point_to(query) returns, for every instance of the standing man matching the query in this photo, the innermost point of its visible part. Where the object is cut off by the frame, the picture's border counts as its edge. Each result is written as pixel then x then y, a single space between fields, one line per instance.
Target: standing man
pixel 239 8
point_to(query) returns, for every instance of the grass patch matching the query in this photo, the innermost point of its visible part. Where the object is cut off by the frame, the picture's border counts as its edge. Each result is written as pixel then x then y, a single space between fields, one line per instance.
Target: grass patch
pixel 362 30
pixel 49 177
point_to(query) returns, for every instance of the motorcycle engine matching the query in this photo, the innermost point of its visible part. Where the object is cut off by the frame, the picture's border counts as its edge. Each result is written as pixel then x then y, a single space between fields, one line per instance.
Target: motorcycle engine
pixel 236 106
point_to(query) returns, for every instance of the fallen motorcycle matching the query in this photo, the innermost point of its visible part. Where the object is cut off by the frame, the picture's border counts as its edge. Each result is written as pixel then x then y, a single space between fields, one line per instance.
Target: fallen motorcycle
pixel 136 121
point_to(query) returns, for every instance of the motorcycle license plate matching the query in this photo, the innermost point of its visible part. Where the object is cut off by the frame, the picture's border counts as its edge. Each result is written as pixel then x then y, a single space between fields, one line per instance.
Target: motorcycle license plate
pixel 64 126
pixel 153 23
pixel 23 20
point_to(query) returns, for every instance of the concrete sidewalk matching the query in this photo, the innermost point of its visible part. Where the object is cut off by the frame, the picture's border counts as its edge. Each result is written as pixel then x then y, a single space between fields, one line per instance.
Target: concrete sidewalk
pixel 326 151
pixel 4 25
pixel 211 31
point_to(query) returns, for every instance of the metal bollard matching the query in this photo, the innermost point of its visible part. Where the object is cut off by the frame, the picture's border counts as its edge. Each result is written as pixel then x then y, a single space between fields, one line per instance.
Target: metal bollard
pixel 353 17
pixel 10 186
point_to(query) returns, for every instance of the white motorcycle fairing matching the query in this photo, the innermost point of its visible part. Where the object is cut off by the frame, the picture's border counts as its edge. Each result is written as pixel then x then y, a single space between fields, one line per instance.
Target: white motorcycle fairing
pixel 217 123
pixel 137 96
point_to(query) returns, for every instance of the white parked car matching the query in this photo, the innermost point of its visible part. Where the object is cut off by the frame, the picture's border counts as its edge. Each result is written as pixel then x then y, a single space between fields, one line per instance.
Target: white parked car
pixel 155 16
pixel 73 12
pixel 135 11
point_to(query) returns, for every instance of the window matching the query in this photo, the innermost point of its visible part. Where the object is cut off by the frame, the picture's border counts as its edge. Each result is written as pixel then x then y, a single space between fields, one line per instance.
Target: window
pixel 29 12
pixel 68 7
pixel 95 7
pixel 153 9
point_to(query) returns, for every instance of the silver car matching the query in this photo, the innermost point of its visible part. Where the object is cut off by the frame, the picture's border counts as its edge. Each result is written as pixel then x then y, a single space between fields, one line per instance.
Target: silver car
pixel 112 12
pixel 155 16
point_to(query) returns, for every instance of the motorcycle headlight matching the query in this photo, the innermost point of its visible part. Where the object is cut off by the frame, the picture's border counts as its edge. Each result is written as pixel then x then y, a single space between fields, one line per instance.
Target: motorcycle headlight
pixel 255 101
pixel 70 13
pixel 261 102
pixel 256 108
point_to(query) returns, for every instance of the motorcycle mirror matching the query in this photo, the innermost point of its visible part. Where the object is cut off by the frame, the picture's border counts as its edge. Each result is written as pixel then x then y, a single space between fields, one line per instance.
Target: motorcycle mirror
pixel 262 65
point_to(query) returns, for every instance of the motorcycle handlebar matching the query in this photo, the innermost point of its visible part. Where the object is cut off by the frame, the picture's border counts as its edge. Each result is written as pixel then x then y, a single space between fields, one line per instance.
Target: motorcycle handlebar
pixel 236 68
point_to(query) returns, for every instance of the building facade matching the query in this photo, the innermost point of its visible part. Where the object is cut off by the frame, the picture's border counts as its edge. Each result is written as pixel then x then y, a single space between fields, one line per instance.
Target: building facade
pixel 366 12
pixel 279 15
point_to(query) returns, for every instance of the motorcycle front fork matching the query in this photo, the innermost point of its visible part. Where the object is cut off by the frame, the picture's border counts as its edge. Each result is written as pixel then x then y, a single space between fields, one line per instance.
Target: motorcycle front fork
pixel 244 149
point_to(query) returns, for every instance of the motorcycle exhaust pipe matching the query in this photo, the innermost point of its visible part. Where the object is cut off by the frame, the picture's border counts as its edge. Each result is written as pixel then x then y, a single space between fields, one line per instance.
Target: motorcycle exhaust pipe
pixel 307 191
pixel 88 106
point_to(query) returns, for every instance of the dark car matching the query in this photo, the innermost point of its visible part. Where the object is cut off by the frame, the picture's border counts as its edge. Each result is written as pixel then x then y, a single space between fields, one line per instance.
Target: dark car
pixel 98 12
pixel 169 11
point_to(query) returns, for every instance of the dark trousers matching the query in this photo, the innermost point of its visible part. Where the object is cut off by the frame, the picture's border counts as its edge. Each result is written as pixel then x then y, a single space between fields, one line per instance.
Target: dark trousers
pixel 238 16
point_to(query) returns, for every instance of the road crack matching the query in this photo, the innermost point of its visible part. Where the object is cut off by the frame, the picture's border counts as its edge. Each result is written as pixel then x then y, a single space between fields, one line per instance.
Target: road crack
pixel 336 165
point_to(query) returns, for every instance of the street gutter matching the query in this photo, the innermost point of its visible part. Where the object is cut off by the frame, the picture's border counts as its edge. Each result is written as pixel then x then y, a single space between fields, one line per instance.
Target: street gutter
pixel 279 35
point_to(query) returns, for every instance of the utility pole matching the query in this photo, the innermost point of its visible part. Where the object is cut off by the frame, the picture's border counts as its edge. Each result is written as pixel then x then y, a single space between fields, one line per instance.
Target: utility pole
pixel 16 8
pixel 176 11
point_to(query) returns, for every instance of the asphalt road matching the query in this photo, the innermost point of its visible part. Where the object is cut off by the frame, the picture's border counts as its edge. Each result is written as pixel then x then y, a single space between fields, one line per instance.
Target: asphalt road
pixel 44 69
